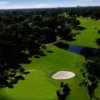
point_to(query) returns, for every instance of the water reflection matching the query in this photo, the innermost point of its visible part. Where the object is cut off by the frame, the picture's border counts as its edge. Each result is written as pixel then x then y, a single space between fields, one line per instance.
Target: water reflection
pixel 75 49
pixel 87 52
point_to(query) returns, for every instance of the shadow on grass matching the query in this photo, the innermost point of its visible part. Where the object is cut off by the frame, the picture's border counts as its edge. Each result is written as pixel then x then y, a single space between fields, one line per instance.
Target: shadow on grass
pixel 70 37
pixel 40 54
pixel 62 45
pixel 77 33
pixel 50 51
pixel 80 28
pixel 3 96
pixel 98 41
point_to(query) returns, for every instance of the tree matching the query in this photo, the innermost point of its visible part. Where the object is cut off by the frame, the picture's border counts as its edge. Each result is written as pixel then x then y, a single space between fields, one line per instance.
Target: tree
pixel 64 32
pixel 90 72
pixel 63 92
pixel 17 44
pixel 48 35
pixel 87 52
pixel 72 22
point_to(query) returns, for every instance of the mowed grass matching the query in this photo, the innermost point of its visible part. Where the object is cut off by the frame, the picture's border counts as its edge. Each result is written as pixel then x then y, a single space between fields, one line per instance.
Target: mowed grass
pixel 35 87
pixel 38 85
pixel 88 36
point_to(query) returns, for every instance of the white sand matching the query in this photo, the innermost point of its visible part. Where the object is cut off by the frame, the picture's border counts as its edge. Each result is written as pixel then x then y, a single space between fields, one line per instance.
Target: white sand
pixel 63 75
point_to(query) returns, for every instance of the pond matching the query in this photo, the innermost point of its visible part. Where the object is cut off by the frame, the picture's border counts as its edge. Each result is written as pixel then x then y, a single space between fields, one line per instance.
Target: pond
pixel 76 49
pixel 87 52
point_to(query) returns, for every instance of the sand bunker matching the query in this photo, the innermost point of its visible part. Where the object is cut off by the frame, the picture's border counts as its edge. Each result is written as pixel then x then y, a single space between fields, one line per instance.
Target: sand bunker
pixel 63 75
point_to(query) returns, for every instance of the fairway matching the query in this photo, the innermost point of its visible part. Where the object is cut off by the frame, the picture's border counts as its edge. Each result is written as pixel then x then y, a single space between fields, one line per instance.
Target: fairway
pixel 39 85
pixel 88 36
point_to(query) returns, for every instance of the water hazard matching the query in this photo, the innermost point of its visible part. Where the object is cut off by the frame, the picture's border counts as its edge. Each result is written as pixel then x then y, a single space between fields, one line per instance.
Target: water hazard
pixel 87 52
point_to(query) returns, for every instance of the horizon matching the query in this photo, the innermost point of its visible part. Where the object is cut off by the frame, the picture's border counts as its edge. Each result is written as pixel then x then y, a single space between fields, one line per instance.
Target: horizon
pixel 46 8
pixel 28 4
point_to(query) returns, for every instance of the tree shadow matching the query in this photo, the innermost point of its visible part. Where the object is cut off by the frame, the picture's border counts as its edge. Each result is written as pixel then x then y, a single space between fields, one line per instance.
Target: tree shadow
pixel 77 33
pixel 70 37
pixel 88 52
pixel 62 45
pixel 80 28
pixel 50 51
pixel 98 41
pixel 40 54
pixel 36 56
pixel 3 96
pixel 96 98
pixel 99 31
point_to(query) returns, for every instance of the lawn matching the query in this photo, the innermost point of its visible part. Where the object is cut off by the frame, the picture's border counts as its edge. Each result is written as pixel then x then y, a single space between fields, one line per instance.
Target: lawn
pixel 88 36
pixel 38 85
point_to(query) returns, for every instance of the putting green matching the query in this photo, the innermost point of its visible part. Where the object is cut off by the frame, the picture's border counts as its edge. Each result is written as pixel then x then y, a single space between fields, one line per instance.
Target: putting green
pixel 34 87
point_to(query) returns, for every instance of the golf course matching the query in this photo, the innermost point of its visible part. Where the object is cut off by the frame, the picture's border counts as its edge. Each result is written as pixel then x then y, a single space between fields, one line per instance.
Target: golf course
pixel 39 84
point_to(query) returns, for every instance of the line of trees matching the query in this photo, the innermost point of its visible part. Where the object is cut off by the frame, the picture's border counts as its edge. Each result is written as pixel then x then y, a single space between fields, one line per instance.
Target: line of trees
pixel 91 73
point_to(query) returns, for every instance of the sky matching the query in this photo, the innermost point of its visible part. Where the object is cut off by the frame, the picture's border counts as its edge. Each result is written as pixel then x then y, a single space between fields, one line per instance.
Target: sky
pixel 13 4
